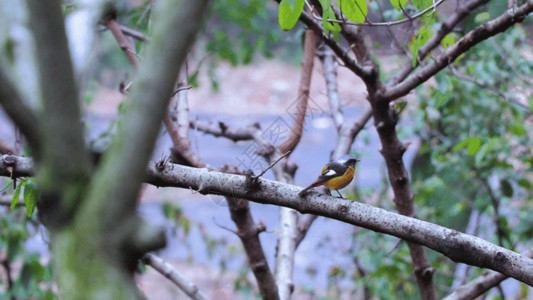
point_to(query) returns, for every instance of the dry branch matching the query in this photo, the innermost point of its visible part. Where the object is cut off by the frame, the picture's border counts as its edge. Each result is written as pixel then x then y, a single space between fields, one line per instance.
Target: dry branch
pixel 463 11
pixel 20 113
pixel 457 246
pixel 122 41
pixel 303 93
pixel 175 276
pixel 472 38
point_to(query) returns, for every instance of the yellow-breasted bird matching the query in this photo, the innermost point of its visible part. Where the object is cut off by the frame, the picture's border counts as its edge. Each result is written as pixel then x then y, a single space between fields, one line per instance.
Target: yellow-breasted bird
pixel 336 174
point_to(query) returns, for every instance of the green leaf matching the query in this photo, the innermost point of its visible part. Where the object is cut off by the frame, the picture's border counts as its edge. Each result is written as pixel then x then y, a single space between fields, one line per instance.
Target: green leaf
pixel 472 144
pixel 419 40
pixel 16 196
pixel 31 195
pixel 524 183
pixel 506 187
pixel 447 41
pixel 289 12
pixel 518 130
pixel 398 4
pixel 422 4
pixel 482 17
pixel 355 10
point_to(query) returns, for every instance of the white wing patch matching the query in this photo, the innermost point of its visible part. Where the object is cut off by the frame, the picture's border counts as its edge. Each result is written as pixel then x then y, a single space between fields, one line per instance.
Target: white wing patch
pixel 329 172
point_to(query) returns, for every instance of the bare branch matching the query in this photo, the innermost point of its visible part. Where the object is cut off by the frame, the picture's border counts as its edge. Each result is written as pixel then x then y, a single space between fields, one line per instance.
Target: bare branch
pixel 390 23
pixel 330 74
pixel 221 129
pixel 175 276
pixel 441 239
pixel 248 232
pixel 64 162
pixel 480 285
pixel 133 33
pixel 182 150
pixel 461 270
pixel 123 42
pixel 6 149
pixel 472 38
pixel 349 132
pixel 304 224
pixel 303 93
pixel 342 53
pixel 446 241
pixel 21 114
pixel 463 11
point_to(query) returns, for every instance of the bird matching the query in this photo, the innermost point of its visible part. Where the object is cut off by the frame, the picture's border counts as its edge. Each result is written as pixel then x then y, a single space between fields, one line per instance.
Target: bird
pixel 336 174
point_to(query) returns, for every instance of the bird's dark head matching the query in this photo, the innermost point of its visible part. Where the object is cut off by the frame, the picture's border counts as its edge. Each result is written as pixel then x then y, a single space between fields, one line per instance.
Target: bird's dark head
pixel 348 160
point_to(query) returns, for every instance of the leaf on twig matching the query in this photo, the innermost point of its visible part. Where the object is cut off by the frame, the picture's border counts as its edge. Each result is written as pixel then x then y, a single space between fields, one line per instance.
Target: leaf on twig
pixel 355 10
pixel 289 13
pixel 31 195
pixel 398 4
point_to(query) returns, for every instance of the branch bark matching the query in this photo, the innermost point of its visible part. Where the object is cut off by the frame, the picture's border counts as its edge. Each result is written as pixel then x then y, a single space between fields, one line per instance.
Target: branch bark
pixel 457 246
pixel 175 276
pixel 463 11
pixel 480 285
pixel 21 114
pixel 472 38
pixel 120 237
pixel 248 232
pixel 303 93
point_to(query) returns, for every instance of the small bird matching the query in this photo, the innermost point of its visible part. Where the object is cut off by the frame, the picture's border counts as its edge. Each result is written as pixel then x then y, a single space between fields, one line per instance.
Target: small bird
pixel 336 174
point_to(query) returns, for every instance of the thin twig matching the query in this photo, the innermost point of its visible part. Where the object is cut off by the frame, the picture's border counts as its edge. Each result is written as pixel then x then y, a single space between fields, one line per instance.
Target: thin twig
pixel 271 165
pixel 390 23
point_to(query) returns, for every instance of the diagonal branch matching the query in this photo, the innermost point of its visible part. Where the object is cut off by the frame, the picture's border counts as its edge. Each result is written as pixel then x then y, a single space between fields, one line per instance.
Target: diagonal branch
pixel 123 42
pixel 463 11
pixel 175 276
pixel 303 93
pixel 342 53
pixel 21 114
pixel 480 285
pixel 481 33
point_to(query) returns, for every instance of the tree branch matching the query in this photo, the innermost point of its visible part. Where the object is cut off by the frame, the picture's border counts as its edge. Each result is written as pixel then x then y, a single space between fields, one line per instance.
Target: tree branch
pixel 248 232
pixel 480 285
pixel 21 114
pixel 123 42
pixel 472 38
pixel 175 276
pixel 463 11
pixel 221 129
pixel 64 162
pixel 457 246
pixel 306 72
pixel 343 54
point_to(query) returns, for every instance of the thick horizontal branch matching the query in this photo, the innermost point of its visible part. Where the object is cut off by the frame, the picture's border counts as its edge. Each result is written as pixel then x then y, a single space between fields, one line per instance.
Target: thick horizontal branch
pixel 457 246
pixel 471 39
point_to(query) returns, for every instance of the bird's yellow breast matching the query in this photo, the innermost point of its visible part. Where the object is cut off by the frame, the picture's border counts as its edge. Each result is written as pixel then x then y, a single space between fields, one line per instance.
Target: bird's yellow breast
pixel 340 182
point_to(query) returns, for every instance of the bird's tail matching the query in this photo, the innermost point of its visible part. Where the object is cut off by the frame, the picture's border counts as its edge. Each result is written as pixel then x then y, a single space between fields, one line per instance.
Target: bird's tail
pixel 302 192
